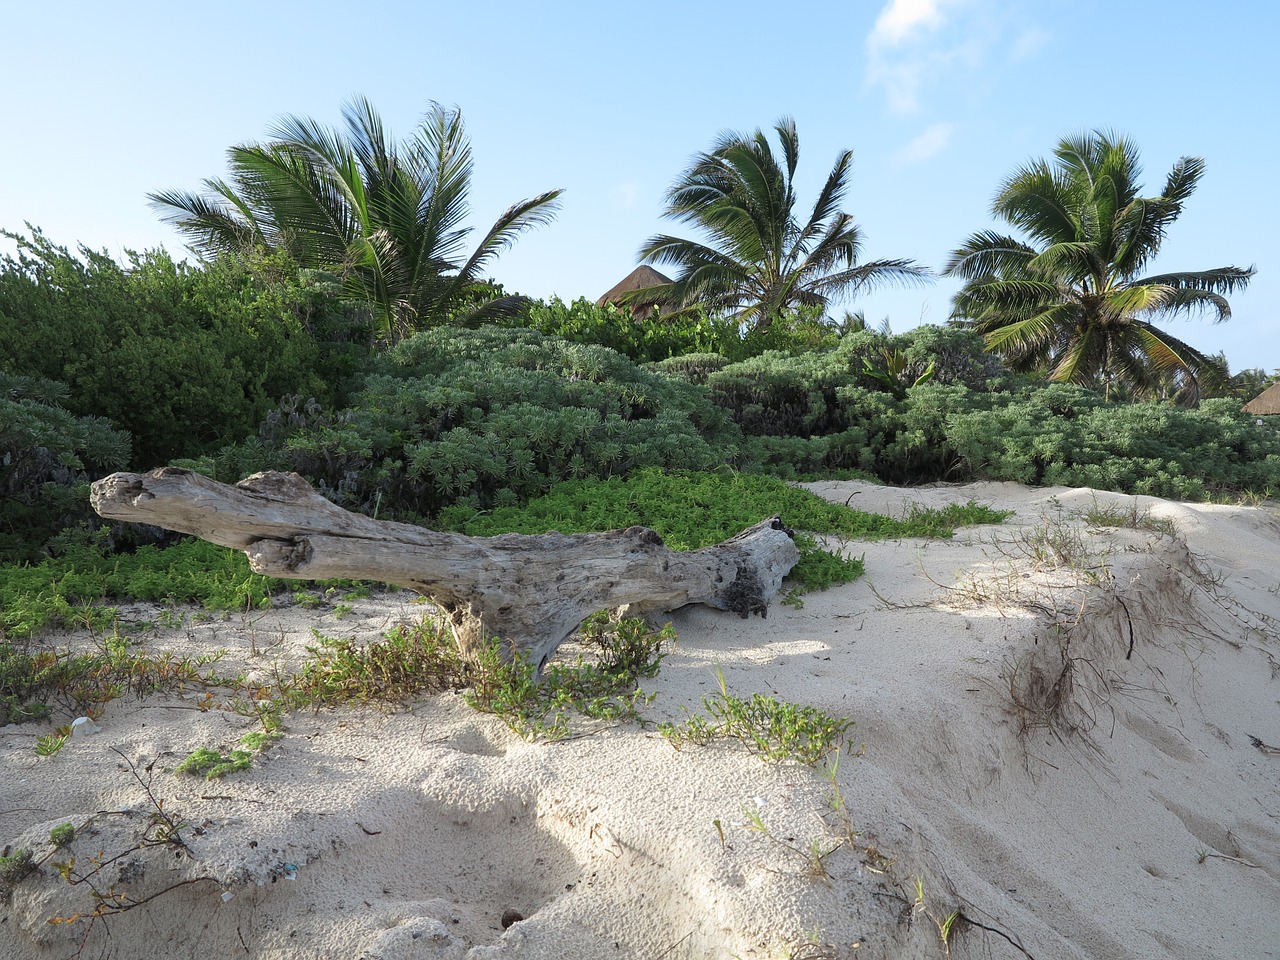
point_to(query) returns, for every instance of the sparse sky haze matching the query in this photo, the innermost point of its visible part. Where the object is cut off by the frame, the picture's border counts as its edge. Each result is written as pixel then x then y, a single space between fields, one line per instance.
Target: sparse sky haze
pixel 939 100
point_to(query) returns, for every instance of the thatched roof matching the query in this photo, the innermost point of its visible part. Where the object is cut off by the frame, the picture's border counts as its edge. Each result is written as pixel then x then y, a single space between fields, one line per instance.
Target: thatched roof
pixel 1266 403
pixel 638 279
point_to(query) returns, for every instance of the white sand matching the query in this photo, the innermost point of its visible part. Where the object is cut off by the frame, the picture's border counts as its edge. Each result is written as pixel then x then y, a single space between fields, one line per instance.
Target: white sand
pixel 1061 753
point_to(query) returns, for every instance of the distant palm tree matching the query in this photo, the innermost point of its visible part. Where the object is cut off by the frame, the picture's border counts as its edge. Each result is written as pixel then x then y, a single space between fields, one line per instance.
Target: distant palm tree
pixel 1071 300
pixel 760 259
pixel 387 218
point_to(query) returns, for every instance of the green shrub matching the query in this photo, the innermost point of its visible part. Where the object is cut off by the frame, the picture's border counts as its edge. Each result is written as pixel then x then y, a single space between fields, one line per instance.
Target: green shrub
pixel 657 337
pixel 47 457
pixel 186 359
pixel 487 418
pixel 615 327
pixel 1067 435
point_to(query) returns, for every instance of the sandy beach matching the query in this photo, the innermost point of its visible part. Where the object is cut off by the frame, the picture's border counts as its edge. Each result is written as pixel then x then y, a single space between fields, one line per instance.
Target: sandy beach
pixel 1064 747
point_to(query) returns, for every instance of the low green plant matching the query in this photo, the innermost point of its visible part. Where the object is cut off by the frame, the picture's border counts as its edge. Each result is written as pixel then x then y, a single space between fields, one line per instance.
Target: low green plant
pixel 1115 515
pixel 14 867
pixel 947 925
pixel 601 683
pixel 814 853
pixel 50 744
pixel 62 834
pixel 77 589
pixel 83 682
pixel 212 764
pixel 260 740
pixel 694 510
pixel 407 661
pixel 13 711
pixel 605 687
pixel 770 728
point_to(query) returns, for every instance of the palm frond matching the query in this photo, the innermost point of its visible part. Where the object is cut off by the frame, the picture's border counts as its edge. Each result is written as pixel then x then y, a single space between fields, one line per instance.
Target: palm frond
pixel 1219 280
pixel 988 253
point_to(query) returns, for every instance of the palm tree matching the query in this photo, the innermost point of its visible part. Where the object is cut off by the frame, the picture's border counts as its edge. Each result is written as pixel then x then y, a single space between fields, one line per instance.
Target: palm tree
pixel 759 259
pixel 1072 299
pixel 387 218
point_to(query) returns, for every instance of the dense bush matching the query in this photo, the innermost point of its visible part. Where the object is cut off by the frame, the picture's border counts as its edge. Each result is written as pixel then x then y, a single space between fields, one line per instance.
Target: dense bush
pixel 656 337
pixel 929 405
pixel 875 402
pixel 1067 435
pixel 488 417
pixel 185 359
pixel 47 457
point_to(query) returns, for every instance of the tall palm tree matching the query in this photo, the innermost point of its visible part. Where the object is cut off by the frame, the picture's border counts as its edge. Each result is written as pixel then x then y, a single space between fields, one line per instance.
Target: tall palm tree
pixel 1072 299
pixel 387 218
pixel 760 259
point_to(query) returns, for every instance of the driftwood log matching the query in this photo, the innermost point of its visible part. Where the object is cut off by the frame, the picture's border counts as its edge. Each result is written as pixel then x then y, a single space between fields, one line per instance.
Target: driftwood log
pixel 532 592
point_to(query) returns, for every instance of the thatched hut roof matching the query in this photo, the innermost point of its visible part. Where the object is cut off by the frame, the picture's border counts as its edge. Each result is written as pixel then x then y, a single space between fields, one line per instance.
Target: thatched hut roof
pixel 638 279
pixel 1267 403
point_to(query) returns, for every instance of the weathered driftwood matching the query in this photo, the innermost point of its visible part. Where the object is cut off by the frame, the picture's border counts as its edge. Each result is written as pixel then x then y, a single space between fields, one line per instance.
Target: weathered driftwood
pixel 530 591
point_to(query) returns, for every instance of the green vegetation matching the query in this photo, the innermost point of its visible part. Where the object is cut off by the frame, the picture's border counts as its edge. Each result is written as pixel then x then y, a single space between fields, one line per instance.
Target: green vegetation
pixel 14 867
pixel 689 333
pixel 406 662
pixel 691 511
pixel 487 413
pixel 603 687
pixel 386 218
pixel 157 348
pixel 47 456
pixel 212 764
pixel 1068 435
pixel 1074 302
pixel 487 418
pixel 601 683
pixel 32 679
pixel 762 260
pixel 768 727
pixel 77 588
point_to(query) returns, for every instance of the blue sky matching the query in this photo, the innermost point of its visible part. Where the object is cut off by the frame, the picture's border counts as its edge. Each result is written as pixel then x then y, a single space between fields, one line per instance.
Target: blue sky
pixel 938 99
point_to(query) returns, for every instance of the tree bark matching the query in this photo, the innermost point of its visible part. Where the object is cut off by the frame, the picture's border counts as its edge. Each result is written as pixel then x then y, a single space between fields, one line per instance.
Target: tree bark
pixel 532 592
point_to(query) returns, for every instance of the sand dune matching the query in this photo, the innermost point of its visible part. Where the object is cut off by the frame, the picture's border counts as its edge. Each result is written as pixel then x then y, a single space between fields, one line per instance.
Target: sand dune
pixel 1062 741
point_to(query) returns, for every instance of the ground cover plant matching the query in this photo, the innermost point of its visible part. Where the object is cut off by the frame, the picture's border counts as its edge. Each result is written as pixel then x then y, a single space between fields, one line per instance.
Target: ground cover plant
pixel 772 729
pixel 690 511
pixel 37 678
pixel 79 588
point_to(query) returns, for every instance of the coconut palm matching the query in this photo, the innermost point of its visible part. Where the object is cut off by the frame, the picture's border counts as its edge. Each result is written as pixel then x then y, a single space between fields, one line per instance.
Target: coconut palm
pixel 759 259
pixel 387 218
pixel 1072 299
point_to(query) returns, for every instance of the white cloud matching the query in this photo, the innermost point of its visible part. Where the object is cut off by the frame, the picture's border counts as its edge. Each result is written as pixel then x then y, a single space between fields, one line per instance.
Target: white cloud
pixel 917 48
pixel 901 53
pixel 901 18
pixel 931 141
